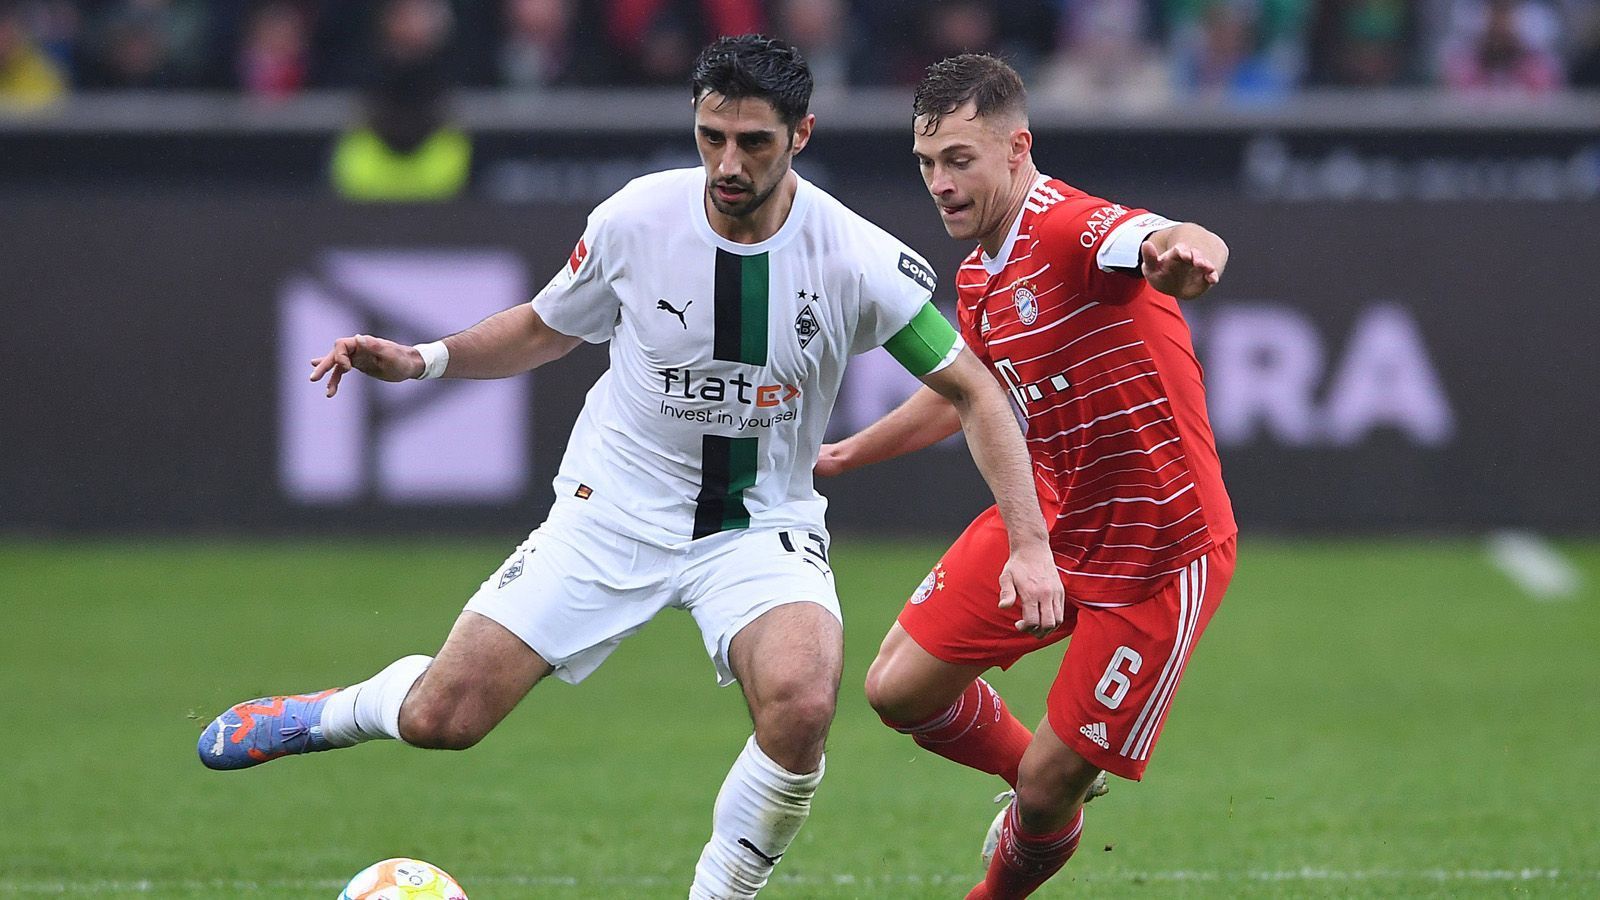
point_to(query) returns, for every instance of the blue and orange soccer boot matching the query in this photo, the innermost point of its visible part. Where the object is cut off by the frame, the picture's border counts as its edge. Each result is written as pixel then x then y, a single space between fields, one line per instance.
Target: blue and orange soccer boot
pixel 255 731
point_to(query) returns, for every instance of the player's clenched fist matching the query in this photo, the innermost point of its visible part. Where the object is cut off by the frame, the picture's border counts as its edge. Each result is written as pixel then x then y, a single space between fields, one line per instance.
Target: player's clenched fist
pixel 374 356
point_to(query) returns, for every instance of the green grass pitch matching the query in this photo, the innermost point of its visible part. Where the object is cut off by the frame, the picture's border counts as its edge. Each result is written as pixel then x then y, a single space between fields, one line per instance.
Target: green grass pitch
pixel 1363 718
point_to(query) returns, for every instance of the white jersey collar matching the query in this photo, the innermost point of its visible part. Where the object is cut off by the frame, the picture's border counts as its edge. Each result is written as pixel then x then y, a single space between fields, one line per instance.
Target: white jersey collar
pixel 994 264
pixel 786 232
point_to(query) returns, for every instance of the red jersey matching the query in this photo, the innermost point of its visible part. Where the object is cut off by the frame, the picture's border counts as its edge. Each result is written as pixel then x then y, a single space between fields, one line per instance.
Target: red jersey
pixel 1103 369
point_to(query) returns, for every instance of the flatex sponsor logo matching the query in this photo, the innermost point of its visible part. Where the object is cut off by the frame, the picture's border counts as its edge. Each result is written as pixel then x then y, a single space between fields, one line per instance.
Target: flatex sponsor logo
pixel 419 442
pixel 738 401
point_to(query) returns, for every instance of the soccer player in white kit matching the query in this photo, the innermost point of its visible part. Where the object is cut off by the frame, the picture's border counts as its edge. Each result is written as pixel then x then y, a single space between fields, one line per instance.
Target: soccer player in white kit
pixel 732 296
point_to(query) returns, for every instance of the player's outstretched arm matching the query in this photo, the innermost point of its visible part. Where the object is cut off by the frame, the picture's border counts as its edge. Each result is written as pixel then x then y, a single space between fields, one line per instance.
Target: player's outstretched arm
pixel 507 343
pixel 923 420
pixel 1029 582
pixel 1183 260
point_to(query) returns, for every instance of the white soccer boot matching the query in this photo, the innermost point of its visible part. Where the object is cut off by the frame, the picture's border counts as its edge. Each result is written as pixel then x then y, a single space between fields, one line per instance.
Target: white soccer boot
pixel 992 839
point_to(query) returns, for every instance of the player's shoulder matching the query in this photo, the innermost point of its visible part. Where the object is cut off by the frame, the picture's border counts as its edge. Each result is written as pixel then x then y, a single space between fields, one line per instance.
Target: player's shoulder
pixel 972 274
pixel 1059 208
pixel 863 245
pixel 1069 221
pixel 830 215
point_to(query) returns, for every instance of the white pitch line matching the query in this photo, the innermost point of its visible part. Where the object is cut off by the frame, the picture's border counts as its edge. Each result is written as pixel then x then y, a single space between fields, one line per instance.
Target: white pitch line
pixel 1278 876
pixel 1535 565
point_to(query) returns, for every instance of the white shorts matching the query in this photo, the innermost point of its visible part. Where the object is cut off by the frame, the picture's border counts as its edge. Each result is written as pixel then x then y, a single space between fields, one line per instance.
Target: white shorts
pixel 575 588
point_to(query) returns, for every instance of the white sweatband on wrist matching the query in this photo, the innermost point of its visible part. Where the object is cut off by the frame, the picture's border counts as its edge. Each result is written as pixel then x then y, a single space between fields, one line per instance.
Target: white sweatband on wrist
pixel 435 356
pixel 1120 248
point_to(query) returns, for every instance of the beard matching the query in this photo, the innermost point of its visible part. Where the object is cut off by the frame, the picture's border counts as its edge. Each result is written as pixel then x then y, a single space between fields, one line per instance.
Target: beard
pixel 745 207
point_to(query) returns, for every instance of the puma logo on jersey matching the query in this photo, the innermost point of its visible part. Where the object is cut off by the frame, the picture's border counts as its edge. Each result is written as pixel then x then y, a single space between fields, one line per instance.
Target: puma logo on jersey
pixel 664 305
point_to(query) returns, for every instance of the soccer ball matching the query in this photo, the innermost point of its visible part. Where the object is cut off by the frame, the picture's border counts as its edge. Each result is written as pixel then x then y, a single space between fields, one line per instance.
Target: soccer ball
pixel 402 879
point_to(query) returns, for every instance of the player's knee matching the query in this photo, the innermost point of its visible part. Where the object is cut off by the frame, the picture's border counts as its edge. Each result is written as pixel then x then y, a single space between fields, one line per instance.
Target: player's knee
pixel 436 726
pixel 811 714
pixel 883 694
pixel 802 713
pixel 896 702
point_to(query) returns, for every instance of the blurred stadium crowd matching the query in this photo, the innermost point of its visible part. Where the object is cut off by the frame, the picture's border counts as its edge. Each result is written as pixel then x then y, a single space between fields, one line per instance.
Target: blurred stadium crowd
pixel 1122 51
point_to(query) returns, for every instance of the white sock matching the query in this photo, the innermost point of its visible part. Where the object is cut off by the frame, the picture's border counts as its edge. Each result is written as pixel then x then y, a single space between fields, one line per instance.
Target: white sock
pixel 762 804
pixel 371 710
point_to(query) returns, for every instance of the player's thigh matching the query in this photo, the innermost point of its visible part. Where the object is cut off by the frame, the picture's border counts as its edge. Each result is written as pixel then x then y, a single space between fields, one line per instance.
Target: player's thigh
pixel 955 614
pixel 791 654
pixel 573 591
pixel 1121 671
pixel 767 597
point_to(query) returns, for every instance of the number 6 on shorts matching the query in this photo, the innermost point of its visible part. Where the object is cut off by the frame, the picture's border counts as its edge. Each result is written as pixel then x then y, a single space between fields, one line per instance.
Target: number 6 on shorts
pixel 1114 684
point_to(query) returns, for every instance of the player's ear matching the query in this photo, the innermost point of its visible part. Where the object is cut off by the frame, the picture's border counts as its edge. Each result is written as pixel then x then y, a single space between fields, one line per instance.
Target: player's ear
pixel 1021 146
pixel 802 133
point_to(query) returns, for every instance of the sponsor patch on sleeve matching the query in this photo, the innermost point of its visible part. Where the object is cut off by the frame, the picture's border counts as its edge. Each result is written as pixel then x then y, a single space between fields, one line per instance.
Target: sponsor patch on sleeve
pixel 567 273
pixel 913 269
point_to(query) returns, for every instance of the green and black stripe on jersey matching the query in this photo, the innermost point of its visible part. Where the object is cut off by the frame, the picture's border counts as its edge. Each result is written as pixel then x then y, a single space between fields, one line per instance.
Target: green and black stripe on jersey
pixel 740 332
pixel 728 465
pixel 727 470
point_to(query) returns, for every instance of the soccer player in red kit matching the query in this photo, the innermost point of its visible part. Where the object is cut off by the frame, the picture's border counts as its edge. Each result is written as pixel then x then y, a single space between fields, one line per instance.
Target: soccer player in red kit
pixel 1071 301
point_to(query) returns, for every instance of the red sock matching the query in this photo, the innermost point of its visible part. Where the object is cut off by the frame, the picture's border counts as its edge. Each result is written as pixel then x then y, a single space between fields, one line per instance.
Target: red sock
pixel 977 730
pixel 1024 861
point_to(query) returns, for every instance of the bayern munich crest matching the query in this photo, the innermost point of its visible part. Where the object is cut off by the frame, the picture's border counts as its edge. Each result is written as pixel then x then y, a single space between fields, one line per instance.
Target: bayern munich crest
pixel 933 582
pixel 1027 302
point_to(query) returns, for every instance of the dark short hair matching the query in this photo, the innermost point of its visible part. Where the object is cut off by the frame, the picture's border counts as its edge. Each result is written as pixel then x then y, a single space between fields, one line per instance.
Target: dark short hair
pixel 752 65
pixel 987 81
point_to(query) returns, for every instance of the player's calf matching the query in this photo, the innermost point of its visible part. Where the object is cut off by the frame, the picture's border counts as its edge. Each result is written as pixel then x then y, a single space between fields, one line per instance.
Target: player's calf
pixel 977 730
pixel 1099 788
pixel 788 663
pixel 1053 782
pixel 1025 858
pixel 758 812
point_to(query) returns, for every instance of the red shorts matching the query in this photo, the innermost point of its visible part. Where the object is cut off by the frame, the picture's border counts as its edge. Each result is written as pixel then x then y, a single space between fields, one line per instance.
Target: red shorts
pixel 1122 667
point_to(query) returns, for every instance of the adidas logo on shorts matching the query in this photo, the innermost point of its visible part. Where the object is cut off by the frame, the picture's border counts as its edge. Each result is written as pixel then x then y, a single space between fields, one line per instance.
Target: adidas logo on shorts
pixel 1097 733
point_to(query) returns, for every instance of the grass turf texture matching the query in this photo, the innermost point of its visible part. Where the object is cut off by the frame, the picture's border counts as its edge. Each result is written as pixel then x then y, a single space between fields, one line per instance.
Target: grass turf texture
pixel 1362 718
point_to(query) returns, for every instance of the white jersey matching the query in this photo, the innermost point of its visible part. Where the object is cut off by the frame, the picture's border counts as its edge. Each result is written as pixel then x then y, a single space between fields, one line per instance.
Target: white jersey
pixel 726 358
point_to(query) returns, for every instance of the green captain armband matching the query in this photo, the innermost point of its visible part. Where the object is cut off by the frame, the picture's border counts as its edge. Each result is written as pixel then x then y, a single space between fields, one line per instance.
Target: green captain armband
pixel 926 343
